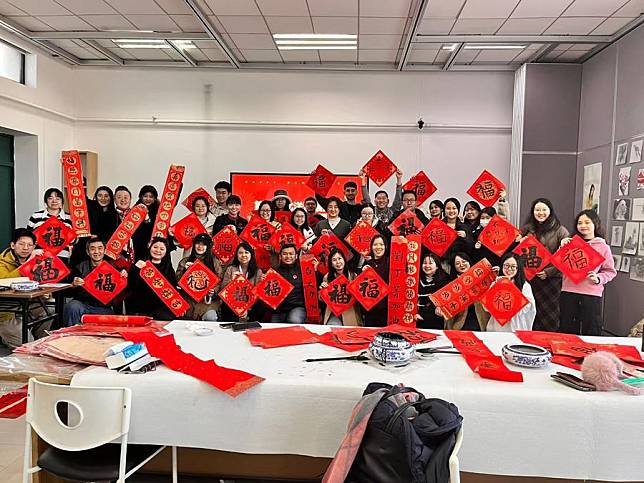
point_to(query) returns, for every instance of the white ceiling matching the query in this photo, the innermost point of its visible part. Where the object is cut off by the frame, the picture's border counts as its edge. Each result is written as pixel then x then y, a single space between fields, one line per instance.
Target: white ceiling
pixel 382 26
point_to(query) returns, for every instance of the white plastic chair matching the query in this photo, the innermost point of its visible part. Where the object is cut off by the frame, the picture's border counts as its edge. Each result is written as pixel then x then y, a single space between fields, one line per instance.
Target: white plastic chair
pixel 103 416
pixel 454 466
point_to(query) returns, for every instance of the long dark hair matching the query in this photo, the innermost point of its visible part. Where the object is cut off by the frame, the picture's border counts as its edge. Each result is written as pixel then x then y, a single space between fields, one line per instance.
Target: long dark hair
pixel 475 221
pixel 519 278
pixel 439 204
pixel 384 240
pixel 202 198
pixel 458 208
pixel 441 275
pixel 252 263
pixel 166 261
pixel 303 226
pixel 110 206
pixel 208 258
pixel 594 217
pixel 331 276
pixel 154 207
pixel 552 223
pixel 452 263
pixel 270 205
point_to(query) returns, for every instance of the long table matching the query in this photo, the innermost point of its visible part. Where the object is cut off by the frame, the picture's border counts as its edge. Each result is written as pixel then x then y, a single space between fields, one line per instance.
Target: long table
pixel 536 428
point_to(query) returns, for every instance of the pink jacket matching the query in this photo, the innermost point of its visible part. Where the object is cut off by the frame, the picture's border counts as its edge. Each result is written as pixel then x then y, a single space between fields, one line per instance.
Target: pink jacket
pixel 606 272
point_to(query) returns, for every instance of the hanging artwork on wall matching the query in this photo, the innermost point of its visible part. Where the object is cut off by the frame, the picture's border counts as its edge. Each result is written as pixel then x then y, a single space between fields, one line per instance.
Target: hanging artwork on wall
pixel 640 248
pixel 631 235
pixel 621 209
pixel 623 180
pixel 637 269
pixel 592 186
pixel 636 151
pixel 617 261
pixel 638 209
pixel 621 154
pixel 616 236
pixel 640 179
pixel 626 265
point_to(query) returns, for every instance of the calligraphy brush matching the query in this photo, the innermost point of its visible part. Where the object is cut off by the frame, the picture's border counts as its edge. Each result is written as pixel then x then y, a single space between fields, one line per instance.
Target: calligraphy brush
pixel 360 357
pixel 437 350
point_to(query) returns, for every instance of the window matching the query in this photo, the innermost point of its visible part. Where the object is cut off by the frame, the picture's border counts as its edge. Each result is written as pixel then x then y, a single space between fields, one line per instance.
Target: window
pixel 12 63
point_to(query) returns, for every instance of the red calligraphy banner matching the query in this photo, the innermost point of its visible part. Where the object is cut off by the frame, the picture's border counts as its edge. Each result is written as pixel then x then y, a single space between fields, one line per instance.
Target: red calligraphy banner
pixel 164 289
pixel 284 217
pixel 336 295
pixel 581 349
pixel 368 288
pixel 187 228
pixel 504 300
pixel 239 295
pixel 286 235
pixel 104 282
pixel 198 280
pixel 198 193
pixel 225 243
pixel 44 268
pixel 498 235
pixel 407 223
pixel 404 270
pixel 421 185
pixel 273 289
pixel 257 232
pixel 323 246
pixel 438 236
pixel 486 189
pixel 360 237
pixel 379 168
pixel 321 180
pixel 576 258
pixel 53 235
pixel 73 173
pixel 121 237
pixel 168 200
pixel 534 255
pixel 310 286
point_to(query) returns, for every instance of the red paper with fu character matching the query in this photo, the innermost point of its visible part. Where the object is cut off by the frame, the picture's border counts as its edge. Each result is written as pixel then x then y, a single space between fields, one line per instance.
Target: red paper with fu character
pixel 283 217
pixel 164 289
pixel 239 295
pixel 576 258
pixel 273 289
pixel 104 282
pixel 379 168
pixel 368 288
pixel 44 268
pixel 337 296
pixel 286 235
pixel 121 237
pixel 504 300
pixel 407 223
pixel 498 235
pixel 534 255
pixel 168 200
pixel 421 185
pixel 53 235
pixel 257 232
pixel 321 180
pixel 438 236
pixel 323 246
pixel 225 243
pixel 486 189
pixel 187 228
pixel 198 193
pixel 73 174
pixel 360 237
pixel 198 280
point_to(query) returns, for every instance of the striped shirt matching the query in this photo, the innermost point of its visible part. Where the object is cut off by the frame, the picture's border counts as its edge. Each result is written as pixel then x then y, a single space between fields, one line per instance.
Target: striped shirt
pixel 39 217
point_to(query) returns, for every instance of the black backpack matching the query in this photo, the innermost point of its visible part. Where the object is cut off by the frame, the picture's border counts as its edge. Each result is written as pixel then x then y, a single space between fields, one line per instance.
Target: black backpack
pixel 396 449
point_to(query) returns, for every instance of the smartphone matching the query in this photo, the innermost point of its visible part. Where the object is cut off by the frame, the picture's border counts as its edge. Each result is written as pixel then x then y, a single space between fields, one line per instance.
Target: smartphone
pixel 239 326
pixel 573 381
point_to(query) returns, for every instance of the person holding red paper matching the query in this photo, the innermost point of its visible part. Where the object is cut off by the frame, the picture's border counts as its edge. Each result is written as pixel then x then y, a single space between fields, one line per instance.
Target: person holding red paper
pixel 103 217
pixel 409 202
pixel 475 317
pixel 512 269
pixel 464 243
pixel 223 189
pixel 300 221
pixel 201 207
pixel 581 304
pixel 244 263
pixel 436 208
pixel 349 210
pixel 338 265
pixel 378 259
pixel 232 218
pixel 281 201
pixel 432 278
pixel 292 310
pixel 383 211
pixel 148 197
pixel 53 207
pixel 311 206
pixel 335 223
pixel 123 201
pixel 480 252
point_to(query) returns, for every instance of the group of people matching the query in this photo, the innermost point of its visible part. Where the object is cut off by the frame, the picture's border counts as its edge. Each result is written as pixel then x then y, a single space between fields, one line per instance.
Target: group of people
pixel 556 303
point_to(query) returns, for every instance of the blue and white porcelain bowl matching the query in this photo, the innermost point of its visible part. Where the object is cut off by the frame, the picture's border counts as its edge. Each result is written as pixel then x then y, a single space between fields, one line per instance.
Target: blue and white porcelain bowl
pixel 526 355
pixel 391 348
pixel 26 286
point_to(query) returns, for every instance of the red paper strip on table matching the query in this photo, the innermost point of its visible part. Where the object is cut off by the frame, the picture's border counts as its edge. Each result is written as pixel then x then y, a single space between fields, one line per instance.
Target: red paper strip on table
pixel 168 200
pixel 323 246
pixel 225 243
pixel 359 335
pixel 53 235
pixel 257 232
pixel 360 237
pixel 368 288
pixel 534 255
pixel 438 236
pixel 456 296
pixel 486 189
pixel 310 287
pixel 504 300
pixel 576 258
pixel 580 349
pixel 104 282
pixel 480 358
pixel 239 295
pixel 44 268
pixel 164 289
pixel 198 193
pixel 404 270
pixel 286 235
pixel 329 339
pixel 273 289
pixel 498 235
pixel 187 228
pixel 198 280
pixel 281 337
pixel 545 339
pixel 73 174
pixel 421 185
pixel 121 320
pixel 121 237
pixel 321 180
pixel 379 168
pixel 284 217
pixel 336 295
pixel 407 223
pixel 231 381
pixel 13 404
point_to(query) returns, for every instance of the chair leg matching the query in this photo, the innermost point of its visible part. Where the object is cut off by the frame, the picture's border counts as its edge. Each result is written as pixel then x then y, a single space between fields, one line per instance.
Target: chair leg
pixel 174 465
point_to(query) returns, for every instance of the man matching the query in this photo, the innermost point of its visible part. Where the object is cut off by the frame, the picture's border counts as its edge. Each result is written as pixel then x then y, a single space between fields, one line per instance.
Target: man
pixel 222 192
pixel 349 209
pixel 383 211
pixel 409 203
pixel 231 217
pixel 83 302
pixel 20 250
pixel 313 217
pixel 292 309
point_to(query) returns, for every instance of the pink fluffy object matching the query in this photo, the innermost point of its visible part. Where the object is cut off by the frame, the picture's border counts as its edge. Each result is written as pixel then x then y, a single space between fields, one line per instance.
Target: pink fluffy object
pixel 603 370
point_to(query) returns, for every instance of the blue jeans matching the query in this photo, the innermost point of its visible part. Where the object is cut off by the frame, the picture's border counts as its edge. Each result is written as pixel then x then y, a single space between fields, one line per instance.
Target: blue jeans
pixel 75 309
pixel 296 315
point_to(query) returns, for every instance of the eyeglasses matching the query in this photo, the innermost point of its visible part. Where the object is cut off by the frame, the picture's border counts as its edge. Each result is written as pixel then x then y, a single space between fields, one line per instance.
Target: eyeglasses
pixel 265 210
pixel 510 267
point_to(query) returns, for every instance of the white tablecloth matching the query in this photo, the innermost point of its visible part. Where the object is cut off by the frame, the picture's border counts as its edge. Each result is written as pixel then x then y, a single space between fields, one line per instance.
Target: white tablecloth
pixel 534 428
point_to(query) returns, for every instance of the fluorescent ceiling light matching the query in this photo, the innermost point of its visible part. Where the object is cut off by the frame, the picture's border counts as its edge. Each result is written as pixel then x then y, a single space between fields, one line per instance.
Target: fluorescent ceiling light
pixel 316 42
pixel 318 47
pixel 494 47
pixel 449 47
pixel 153 44
pixel 140 41
pixel 315 36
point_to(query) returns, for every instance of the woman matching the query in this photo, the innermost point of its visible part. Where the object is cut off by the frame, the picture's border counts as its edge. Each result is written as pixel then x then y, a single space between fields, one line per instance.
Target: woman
pixel 436 209
pixel 148 197
pixel 53 207
pixel 379 261
pixel 544 225
pixel 142 300
pixel 432 278
pixel 480 252
pixel 334 223
pixel 281 201
pixel 338 266
pixel 464 242
pixel 589 201
pixel 299 221
pixel 581 303
pixel 474 317
pixel 512 269
pixel 232 218
pixel 201 207
pixel 244 263
pixel 103 216
pixel 266 212
pixel 472 215
pixel 368 214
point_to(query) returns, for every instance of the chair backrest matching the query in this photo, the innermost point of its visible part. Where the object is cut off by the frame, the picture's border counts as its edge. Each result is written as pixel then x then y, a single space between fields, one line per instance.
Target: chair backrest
pixel 103 414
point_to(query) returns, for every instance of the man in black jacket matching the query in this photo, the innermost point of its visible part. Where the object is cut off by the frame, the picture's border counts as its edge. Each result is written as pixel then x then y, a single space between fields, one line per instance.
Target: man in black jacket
pixel 292 309
pixel 409 203
pixel 349 209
